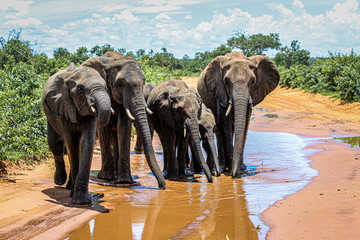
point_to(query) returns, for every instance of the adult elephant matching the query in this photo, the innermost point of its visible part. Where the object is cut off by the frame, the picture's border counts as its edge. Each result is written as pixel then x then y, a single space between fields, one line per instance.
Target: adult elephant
pixel 207 127
pixel 75 101
pixel 176 110
pixel 230 86
pixel 138 146
pixel 126 84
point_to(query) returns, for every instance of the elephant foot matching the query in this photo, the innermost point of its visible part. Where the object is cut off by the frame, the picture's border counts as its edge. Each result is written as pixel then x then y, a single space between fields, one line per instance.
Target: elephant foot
pixel 124 179
pixel 138 149
pixel 106 175
pixel 60 177
pixel 81 197
pixel 171 174
pixel 69 184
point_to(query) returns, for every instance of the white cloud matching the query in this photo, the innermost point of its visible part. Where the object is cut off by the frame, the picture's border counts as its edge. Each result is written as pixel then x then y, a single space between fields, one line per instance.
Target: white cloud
pixel 298 3
pixel 163 16
pixel 126 15
pixel 17 7
pixel 114 7
pixel 26 22
pixel 188 17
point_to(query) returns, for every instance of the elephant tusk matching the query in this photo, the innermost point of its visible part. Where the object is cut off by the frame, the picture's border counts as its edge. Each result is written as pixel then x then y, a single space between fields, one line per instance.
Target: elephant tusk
pixel 184 132
pixel 228 110
pixel 93 109
pixel 129 114
pixel 149 111
pixel 112 111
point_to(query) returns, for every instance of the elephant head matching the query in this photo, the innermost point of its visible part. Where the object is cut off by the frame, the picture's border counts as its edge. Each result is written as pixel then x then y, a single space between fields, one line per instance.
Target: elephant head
pixel 180 109
pixel 76 92
pixel 237 84
pixel 126 83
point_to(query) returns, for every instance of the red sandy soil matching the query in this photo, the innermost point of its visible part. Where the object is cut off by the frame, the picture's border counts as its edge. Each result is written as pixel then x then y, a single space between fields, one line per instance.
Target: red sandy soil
pixel 327 208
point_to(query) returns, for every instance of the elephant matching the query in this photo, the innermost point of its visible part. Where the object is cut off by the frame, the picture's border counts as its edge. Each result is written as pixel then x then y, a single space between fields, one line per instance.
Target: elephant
pixel 138 146
pixel 230 86
pixel 207 127
pixel 176 110
pixel 75 101
pixel 126 88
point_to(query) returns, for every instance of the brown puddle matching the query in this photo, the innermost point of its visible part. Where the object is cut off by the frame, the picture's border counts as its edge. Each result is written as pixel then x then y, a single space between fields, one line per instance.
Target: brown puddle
pixel 227 209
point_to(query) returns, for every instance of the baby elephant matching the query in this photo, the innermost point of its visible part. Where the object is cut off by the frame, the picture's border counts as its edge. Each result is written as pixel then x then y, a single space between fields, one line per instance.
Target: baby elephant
pixel 75 100
pixel 207 127
pixel 176 110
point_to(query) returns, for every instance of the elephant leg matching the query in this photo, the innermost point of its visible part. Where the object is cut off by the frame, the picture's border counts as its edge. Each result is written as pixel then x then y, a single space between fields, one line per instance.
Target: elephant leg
pixel 87 143
pixel 107 171
pixel 124 135
pixel 115 151
pixel 72 146
pixel 171 171
pixel 138 146
pixel 56 145
pixel 182 143
pixel 225 130
pixel 220 147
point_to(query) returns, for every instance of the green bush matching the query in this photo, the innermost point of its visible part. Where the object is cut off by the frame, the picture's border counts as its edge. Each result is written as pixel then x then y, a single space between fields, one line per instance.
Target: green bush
pixel 22 122
pixel 337 75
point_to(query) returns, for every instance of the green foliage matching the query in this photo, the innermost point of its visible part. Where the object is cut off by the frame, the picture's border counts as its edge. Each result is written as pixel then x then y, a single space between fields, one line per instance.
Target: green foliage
pixel 255 44
pixel 292 56
pixel 337 75
pixel 22 122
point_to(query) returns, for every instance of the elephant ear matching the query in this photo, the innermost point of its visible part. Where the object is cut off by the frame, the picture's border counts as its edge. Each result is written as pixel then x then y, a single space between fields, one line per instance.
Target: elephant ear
pixel 267 78
pixel 165 101
pixel 57 98
pixel 213 79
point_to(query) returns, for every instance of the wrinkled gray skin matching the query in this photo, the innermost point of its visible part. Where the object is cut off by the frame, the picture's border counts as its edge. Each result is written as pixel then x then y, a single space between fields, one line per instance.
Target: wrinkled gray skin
pixel 175 108
pixel 125 81
pixel 207 126
pixel 242 83
pixel 67 99
pixel 138 146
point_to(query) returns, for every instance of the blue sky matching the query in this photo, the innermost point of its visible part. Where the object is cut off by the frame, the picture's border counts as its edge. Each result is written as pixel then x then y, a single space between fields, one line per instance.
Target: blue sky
pixel 182 26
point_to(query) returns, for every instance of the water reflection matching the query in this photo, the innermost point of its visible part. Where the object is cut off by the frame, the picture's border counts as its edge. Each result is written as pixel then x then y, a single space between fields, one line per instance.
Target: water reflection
pixel 352 141
pixel 227 209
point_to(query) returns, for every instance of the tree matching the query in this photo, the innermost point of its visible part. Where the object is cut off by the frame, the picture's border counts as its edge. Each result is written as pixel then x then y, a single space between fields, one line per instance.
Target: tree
pixel 292 55
pixel 99 51
pixel 61 53
pixel 15 49
pixel 255 44
pixel 80 56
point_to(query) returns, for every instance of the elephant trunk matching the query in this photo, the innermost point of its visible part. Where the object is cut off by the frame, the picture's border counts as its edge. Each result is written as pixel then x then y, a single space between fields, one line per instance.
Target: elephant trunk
pixel 214 154
pixel 192 125
pixel 138 107
pixel 241 105
pixel 103 106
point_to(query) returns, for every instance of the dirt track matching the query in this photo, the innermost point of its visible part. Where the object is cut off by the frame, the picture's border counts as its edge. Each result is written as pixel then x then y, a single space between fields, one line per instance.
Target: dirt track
pixel 30 206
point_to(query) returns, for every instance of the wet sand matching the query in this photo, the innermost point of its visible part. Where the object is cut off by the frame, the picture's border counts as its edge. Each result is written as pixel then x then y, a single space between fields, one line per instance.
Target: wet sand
pixel 327 208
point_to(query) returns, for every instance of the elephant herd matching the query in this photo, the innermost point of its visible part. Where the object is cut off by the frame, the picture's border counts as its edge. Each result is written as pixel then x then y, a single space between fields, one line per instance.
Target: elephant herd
pixel 106 94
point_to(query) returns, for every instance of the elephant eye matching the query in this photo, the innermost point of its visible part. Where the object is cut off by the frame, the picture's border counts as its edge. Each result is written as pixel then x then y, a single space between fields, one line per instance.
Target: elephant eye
pixel 80 90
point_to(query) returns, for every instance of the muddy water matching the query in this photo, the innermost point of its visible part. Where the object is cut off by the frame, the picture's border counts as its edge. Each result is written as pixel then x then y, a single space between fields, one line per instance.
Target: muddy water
pixel 194 209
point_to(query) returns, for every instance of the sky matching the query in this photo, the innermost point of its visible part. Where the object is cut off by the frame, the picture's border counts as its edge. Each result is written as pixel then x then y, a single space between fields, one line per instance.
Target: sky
pixel 183 27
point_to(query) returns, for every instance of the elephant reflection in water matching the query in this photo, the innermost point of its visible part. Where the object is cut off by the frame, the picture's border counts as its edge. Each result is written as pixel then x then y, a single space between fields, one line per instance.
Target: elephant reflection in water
pixel 192 211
